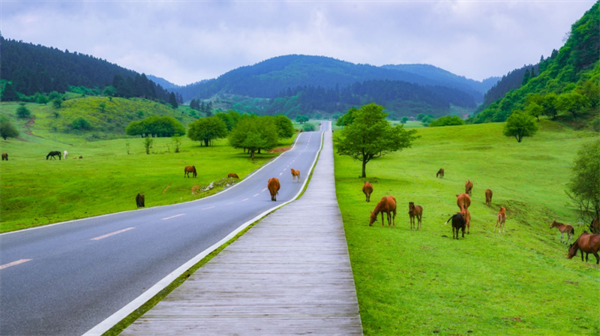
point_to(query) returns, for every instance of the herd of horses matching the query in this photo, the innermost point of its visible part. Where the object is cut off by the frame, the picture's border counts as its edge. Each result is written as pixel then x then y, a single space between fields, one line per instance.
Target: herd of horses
pixel 587 242
pixel 51 155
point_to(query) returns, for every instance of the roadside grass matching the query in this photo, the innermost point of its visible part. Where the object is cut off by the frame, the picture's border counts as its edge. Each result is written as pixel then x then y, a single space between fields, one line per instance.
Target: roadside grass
pixel 424 282
pixel 36 191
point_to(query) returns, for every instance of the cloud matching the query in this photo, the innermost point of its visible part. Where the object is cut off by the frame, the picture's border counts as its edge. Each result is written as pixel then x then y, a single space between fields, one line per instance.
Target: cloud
pixel 186 41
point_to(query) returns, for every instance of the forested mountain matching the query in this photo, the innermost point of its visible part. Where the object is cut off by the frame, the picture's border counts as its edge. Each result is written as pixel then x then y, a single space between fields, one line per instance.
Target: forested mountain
pixel 29 69
pixel 567 83
pixel 511 81
pixel 163 82
pixel 446 78
pixel 266 79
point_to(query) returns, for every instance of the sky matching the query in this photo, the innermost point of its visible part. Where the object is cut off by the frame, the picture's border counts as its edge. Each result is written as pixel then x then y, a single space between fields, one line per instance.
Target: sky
pixel 188 41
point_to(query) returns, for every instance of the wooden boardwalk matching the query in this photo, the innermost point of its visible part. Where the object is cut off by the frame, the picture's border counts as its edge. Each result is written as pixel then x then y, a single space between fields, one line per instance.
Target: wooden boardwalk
pixel 288 275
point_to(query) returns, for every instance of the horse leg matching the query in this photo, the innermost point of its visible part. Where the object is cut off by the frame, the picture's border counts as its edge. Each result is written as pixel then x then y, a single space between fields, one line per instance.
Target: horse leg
pixel 597 258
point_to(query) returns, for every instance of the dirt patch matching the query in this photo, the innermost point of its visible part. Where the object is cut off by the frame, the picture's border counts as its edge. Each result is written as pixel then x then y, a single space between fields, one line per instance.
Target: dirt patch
pixel 195 189
pixel 28 131
pixel 166 189
pixel 280 149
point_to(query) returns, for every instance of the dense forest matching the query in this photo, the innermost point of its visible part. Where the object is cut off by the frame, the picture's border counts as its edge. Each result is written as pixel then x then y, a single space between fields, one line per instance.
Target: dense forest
pixel 567 84
pixel 511 81
pixel 28 69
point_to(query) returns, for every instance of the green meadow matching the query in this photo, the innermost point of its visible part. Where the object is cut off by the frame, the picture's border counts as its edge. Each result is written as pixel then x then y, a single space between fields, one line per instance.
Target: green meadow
pixel 424 282
pixel 35 191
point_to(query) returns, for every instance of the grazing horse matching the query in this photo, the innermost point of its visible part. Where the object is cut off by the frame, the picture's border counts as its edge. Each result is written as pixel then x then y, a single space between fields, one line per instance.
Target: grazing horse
pixel 387 205
pixel 233 175
pixel 488 197
pixel 500 220
pixel 295 174
pixel 65 155
pixel 274 187
pixel 81 156
pixel 4 156
pixel 468 187
pixel 464 202
pixel 563 228
pixel 189 169
pixel 415 211
pixel 458 222
pixel 594 225
pixel 440 173
pixel 140 201
pixel 588 243
pixel 368 190
pixel 53 155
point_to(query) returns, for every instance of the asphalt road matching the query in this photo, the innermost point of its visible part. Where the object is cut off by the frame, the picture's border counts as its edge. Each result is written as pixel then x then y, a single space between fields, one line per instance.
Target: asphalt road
pixel 65 279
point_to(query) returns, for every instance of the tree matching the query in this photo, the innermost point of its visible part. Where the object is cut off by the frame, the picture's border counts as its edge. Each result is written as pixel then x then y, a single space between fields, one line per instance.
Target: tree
pixel 549 105
pixel 207 129
pixel 40 98
pixel 403 120
pixel 148 144
pixel 572 102
pixel 253 134
pixel 285 128
pixel 534 110
pixel 80 123
pixel 23 112
pixel 520 125
pixel 176 143
pixel 302 119
pixel 9 93
pixel 370 136
pixel 526 77
pixel 7 130
pixel 57 103
pixel 173 100
pixel 447 121
pixel 347 118
pixel 584 186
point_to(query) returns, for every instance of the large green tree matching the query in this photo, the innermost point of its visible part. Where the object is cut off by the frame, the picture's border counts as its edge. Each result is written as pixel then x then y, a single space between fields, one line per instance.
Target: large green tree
pixel 520 125
pixel 207 129
pixel 584 186
pixel 254 134
pixel 371 136
pixel 285 128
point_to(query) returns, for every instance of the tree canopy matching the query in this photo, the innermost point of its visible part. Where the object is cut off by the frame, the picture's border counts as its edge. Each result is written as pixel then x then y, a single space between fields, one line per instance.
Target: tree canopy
pixel 520 125
pixel 7 130
pixel 371 136
pixel 207 129
pixel 254 134
pixel 164 126
pixel 584 186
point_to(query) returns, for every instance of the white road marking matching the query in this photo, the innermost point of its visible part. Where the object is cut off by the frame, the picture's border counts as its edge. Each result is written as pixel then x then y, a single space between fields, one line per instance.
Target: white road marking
pixel 14 263
pixel 255 195
pixel 174 216
pixel 264 189
pixel 210 207
pixel 230 203
pixel 112 234
pixel 280 174
pixel 245 199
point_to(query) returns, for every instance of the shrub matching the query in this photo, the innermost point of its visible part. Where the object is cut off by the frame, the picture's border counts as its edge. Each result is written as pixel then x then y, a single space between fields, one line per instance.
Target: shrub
pixel 80 123
pixel 447 121
pixel 23 112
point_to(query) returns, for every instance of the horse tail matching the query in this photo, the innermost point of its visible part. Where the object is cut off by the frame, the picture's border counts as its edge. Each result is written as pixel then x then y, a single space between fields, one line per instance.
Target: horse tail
pixel 449 220
pixel 572 231
pixel 194 167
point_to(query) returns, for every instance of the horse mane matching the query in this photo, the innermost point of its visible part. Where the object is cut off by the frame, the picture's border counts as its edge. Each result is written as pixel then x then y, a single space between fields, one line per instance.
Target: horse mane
pixel 380 205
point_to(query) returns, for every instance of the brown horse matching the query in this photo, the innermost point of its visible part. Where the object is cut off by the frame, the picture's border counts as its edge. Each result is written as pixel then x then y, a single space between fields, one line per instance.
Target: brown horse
pixel 468 187
pixel 233 175
pixel 415 211
pixel 4 156
pixel 588 243
pixel 458 222
pixel 563 228
pixel 189 169
pixel 464 202
pixel 295 174
pixel 440 173
pixel 140 201
pixel 387 205
pixel 500 220
pixel 368 190
pixel 488 197
pixel 595 226
pixel 274 187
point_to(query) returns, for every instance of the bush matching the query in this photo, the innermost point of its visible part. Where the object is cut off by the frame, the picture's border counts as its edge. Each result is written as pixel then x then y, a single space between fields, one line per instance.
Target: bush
pixel 80 123
pixel 447 121
pixel 309 127
pixel 8 130
pixel 23 112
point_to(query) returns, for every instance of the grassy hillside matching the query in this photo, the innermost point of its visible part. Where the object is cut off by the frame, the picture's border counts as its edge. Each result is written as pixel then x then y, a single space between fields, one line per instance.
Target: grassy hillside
pixel 108 117
pixel 424 282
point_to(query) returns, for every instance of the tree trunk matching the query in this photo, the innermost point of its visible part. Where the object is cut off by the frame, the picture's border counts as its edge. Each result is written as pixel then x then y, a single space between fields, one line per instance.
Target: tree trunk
pixel 364 168
pixel 252 154
pixel 206 142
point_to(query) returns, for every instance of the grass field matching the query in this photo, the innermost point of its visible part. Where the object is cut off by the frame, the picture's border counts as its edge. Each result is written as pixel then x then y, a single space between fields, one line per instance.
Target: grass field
pixel 424 282
pixel 35 191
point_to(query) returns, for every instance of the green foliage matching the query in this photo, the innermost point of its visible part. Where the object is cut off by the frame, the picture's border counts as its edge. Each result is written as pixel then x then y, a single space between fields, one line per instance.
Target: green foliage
pixel 309 127
pixel 520 125
pixel 57 103
pixel 7 130
pixel 207 129
pixel 230 118
pixel 285 128
pixel 80 123
pixel 176 143
pixel 164 126
pixel 403 120
pixel 572 102
pixel 23 112
pixel 254 134
pixel 426 120
pixel 370 136
pixel 8 92
pixel 347 118
pixel 148 143
pixel 40 98
pixel 584 186
pixel 447 121
pixel 301 119
pixel 109 91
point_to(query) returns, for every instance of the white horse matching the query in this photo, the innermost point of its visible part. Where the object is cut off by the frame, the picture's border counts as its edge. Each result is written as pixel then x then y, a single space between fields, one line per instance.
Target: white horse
pixel 65 155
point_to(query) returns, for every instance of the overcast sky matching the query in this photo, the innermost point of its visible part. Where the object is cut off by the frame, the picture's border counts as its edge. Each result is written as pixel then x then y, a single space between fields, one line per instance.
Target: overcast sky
pixel 187 41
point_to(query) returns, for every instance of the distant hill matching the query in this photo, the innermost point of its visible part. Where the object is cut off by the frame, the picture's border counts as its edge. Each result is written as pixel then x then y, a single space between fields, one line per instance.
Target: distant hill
pixel 446 78
pixel 511 81
pixel 566 84
pixel 162 82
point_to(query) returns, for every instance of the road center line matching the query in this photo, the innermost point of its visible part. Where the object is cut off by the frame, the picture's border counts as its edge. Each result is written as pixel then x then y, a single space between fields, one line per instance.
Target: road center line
pixel 264 189
pixel 210 207
pixel 174 216
pixel 112 234
pixel 280 174
pixel 256 195
pixel 14 263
